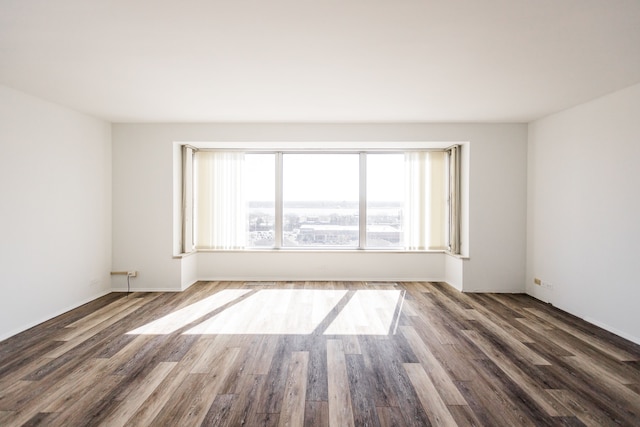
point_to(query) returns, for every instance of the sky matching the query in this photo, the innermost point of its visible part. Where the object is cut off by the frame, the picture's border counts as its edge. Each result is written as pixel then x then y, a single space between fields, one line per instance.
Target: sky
pixel 309 177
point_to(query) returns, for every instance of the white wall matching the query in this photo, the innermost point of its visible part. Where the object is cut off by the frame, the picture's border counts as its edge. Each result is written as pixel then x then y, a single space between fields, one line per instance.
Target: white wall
pixel 454 271
pixel 497 211
pixel 145 217
pixel 189 271
pixel 321 265
pixel 584 211
pixel 143 222
pixel 55 210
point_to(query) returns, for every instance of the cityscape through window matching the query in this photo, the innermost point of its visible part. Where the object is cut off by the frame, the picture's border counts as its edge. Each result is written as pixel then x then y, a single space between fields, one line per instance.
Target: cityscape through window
pixel 348 200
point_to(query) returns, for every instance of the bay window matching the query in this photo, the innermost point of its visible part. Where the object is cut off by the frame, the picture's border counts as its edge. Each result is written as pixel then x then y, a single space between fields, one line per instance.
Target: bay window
pixel 401 200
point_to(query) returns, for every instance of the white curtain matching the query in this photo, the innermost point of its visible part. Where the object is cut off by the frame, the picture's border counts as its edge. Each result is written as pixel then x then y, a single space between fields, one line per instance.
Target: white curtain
pixel 187 199
pixel 454 199
pixel 219 201
pixel 425 213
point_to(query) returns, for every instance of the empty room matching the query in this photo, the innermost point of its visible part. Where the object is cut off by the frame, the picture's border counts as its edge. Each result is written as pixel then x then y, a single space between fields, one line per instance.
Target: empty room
pixel 330 213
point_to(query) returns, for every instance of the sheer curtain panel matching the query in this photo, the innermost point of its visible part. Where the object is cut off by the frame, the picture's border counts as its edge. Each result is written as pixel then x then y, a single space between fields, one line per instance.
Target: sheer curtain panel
pixel 425 200
pixel 454 199
pixel 186 244
pixel 219 200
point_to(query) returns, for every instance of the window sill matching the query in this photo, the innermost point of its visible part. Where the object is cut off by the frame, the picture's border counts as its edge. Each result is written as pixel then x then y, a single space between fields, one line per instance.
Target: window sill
pixel 184 255
pixel 316 250
pixel 458 256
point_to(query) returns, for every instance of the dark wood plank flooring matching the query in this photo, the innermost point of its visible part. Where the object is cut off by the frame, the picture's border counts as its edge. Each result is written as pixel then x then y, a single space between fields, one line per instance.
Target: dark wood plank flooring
pixel 318 353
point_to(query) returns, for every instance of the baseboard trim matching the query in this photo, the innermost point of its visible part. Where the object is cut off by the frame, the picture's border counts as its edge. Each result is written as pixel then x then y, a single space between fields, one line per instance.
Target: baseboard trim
pixel 280 279
pixel 613 330
pixel 320 279
pixel 184 288
pixel 56 313
pixel 493 291
pixel 146 290
pixel 593 321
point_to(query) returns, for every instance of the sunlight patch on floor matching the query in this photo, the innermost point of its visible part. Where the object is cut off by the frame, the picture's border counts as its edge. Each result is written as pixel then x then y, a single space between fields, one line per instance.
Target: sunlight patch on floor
pixel 368 312
pixel 274 311
pixel 184 316
pixel 286 312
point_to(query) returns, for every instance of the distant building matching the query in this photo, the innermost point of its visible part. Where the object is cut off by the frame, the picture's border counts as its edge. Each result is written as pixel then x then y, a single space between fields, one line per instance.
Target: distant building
pixel 340 235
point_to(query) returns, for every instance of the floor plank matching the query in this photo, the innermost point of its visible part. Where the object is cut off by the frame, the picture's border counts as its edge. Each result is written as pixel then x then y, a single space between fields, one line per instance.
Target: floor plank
pixel 340 411
pixel 292 412
pixel 137 395
pixel 436 409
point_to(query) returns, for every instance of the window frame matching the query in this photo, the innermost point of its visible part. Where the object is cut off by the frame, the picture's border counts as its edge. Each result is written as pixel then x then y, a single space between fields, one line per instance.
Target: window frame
pixel 453 203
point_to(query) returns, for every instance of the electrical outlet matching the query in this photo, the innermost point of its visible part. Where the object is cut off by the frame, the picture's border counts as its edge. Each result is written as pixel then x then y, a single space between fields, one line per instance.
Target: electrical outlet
pixel 132 273
pixel 547 285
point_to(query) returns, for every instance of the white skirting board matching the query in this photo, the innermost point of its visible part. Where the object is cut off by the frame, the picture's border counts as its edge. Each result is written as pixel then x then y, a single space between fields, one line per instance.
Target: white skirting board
pixel 50 316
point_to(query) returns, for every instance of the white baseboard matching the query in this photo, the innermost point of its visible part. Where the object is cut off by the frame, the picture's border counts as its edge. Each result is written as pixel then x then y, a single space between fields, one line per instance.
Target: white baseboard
pixel 613 330
pixel 189 285
pixel 146 290
pixel 319 279
pixel 50 316
pixel 593 321
pixel 280 279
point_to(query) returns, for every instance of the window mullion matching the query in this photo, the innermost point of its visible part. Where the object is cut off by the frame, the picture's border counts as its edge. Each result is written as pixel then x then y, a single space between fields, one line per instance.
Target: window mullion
pixel 279 204
pixel 362 220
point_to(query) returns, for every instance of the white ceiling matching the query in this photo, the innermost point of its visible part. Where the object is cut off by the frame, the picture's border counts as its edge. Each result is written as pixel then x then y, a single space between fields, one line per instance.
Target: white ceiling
pixel 319 60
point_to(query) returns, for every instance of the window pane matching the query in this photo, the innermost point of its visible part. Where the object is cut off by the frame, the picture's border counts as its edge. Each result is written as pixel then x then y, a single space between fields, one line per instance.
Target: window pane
pixel 259 190
pixel 385 200
pixel 320 200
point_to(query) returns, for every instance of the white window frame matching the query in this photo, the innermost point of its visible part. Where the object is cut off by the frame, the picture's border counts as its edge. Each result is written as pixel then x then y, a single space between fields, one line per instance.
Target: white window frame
pixel 453 206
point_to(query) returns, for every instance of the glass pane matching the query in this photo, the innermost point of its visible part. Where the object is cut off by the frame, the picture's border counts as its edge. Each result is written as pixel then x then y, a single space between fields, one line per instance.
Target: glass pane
pixel 320 200
pixel 385 200
pixel 260 176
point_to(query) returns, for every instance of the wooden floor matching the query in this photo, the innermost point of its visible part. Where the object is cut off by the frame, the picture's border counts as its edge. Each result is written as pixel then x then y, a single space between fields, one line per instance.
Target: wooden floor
pixel 311 353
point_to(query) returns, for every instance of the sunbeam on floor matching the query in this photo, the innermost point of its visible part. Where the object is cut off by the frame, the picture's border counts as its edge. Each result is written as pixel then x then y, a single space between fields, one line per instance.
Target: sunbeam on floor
pixel 284 312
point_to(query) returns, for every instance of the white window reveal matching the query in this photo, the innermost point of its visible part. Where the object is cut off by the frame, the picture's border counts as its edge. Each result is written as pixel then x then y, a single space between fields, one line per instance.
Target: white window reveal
pixel 323 200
